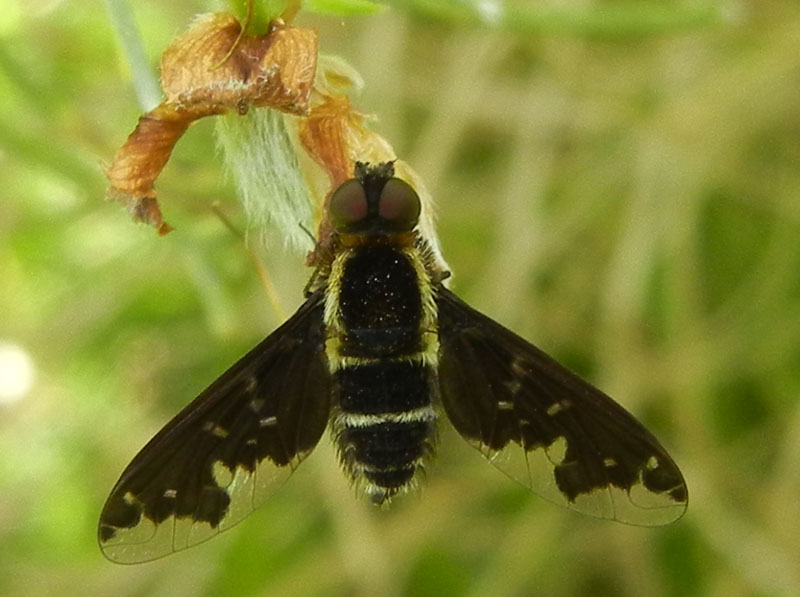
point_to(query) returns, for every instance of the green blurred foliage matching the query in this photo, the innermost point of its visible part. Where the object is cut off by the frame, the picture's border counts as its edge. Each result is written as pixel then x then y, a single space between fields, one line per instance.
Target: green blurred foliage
pixel 617 181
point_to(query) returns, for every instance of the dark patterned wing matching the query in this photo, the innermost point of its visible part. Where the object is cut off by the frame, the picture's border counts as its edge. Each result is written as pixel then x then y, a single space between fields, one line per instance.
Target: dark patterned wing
pixel 228 450
pixel 547 428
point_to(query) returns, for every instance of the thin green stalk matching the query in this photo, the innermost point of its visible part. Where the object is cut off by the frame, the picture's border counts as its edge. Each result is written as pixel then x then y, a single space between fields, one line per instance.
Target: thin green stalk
pixel 145 82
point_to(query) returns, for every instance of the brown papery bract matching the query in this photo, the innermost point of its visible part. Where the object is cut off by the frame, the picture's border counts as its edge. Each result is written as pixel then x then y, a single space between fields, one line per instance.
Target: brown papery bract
pixel 275 70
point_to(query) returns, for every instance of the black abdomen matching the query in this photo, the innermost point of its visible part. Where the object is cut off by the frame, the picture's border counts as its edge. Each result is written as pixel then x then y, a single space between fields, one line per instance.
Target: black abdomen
pixel 385 425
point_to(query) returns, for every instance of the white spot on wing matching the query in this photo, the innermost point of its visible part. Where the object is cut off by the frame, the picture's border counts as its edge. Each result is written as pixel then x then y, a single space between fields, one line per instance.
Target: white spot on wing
pixel 557 450
pixel 519 368
pixel 222 474
pixel 214 429
pixel 514 386
pixel 557 407
pixel 268 421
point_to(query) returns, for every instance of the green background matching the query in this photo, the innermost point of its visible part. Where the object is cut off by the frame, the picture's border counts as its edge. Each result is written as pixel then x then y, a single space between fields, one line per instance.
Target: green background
pixel 618 182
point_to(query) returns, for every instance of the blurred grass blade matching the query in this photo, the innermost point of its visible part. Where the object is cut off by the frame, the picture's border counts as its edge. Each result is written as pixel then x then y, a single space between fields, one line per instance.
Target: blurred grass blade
pixel 145 82
pixel 342 8
pixel 620 20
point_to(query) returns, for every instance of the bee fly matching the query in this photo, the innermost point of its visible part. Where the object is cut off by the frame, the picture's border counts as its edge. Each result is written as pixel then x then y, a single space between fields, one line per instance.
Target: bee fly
pixel 377 352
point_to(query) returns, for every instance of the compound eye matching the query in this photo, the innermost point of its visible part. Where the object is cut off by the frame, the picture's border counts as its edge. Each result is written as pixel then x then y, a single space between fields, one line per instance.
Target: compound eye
pixel 348 205
pixel 399 204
